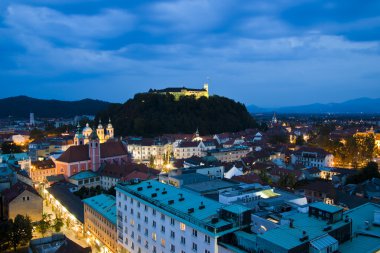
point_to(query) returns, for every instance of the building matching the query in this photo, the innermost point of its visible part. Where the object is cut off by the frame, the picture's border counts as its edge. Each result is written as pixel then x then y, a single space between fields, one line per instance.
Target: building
pixel 231 154
pixel 57 243
pixel 86 178
pixel 8 177
pixel 100 221
pixel 144 149
pixel 42 169
pixel 155 217
pixel 180 92
pixel 66 204
pixel 90 156
pixel 82 137
pixel 187 149
pixel 21 199
pixel 312 157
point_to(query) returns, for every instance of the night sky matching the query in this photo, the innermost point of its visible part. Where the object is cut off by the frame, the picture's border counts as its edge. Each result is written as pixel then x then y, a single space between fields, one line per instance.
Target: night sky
pixel 262 52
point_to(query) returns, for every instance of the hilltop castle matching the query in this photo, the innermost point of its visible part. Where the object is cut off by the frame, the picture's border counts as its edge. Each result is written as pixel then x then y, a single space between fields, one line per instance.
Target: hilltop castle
pixel 180 92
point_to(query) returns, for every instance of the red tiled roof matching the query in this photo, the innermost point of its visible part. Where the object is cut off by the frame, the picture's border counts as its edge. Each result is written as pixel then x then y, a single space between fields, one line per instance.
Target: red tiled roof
pixel 80 152
pixel 75 154
pixel 188 144
pixel 46 164
pixel 112 148
pixel 248 178
pixel 15 190
pixel 140 175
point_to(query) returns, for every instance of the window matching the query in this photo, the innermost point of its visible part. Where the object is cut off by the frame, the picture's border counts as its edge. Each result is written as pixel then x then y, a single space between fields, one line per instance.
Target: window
pixel 163 229
pixel 172 234
pixel 154 249
pixel 207 251
pixel 182 226
pixel 163 242
pixel 207 239
pixel 195 233
pixel 146 232
pixel 138 215
pixel 162 216
pixel 172 221
pixel 138 227
pixel 195 246
pixel 172 248
pixel 154 236
pixel 146 219
pixel 154 224
pixel 131 210
pixel 183 240
pixel 154 211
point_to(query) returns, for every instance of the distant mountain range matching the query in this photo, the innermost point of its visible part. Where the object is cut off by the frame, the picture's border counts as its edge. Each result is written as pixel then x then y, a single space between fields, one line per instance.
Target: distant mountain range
pixel 360 105
pixel 21 106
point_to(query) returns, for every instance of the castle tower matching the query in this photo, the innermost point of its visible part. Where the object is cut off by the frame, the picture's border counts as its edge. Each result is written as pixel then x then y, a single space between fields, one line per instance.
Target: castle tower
pixel 205 86
pixel 100 132
pixel 110 130
pixel 94 151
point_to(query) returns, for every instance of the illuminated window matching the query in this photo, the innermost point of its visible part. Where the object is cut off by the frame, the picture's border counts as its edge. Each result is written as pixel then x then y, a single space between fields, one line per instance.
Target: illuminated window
pixel 182 226
pixel 163 242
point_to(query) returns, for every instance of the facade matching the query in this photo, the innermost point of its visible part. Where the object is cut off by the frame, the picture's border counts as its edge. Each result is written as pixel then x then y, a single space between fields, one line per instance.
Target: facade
pixel 100 221
pixel 312 157
pixel 155 217
pixel 82 137
pixel 180 92
pixel 86 179
pixel 187 149
pixel 42 169
pixel 143 149
pixel 228 154
pixel 22 199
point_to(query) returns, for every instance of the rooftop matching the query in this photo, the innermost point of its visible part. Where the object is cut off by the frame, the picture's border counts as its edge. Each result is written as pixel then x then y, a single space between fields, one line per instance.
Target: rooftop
pixel 84 175
pixel 105 205
pixel 325 207
pixel 188 207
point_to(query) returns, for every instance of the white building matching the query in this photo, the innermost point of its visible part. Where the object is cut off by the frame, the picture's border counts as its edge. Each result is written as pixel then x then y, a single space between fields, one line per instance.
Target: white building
pixel 155 217
pixel 312 157
pixel 186 149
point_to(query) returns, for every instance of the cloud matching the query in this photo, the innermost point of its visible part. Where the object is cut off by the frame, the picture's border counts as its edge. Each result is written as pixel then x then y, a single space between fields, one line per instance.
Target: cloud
pixel 52 24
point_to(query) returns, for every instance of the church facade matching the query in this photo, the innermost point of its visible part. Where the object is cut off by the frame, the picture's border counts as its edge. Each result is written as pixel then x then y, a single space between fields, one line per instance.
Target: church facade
pixel 90 151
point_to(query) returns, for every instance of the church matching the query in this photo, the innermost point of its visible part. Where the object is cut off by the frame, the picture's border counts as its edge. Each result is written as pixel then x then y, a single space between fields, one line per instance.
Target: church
pixel 82 137
pixel 91 149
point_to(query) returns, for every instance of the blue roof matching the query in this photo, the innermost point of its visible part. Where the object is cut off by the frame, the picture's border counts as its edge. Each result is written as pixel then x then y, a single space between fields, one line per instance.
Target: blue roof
pixel 326 207
pixel 15 157
pixel 199 218
pixel 105 205
pixel 83 175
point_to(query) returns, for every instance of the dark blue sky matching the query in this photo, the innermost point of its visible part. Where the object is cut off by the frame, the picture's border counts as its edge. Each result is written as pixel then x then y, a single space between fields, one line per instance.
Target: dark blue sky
pixel 268 53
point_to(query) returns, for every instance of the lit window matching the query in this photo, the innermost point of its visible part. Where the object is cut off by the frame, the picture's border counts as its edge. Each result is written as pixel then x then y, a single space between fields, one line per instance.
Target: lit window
pixel 182 226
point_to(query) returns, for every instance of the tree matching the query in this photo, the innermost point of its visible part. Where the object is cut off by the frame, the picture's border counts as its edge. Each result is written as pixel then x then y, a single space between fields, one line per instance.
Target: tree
pixel 44 224
pixel 20 231
pixel 300 141
pixel 57 224
pixel 5 227
pixel 36 134
pixel 151 162
pixel 9 147
pixel 371 170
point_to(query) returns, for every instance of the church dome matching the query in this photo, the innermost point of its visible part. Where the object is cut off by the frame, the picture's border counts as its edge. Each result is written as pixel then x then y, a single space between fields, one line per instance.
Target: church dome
pixel 100 126
pixel 109 124
pixel 87 130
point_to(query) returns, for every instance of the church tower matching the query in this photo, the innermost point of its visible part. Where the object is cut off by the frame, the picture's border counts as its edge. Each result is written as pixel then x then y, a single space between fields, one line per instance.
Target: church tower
pixel 94 151
pixel 78 138
pixel 100 132
pixel 110 130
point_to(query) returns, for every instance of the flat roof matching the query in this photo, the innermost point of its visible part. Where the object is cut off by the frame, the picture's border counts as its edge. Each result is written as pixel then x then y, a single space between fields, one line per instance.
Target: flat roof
pixel 326 207
pixel 84 175
pixel 288 238
pixel 211 185
pixel 365 240
pixel 105 205
pixel 200 218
